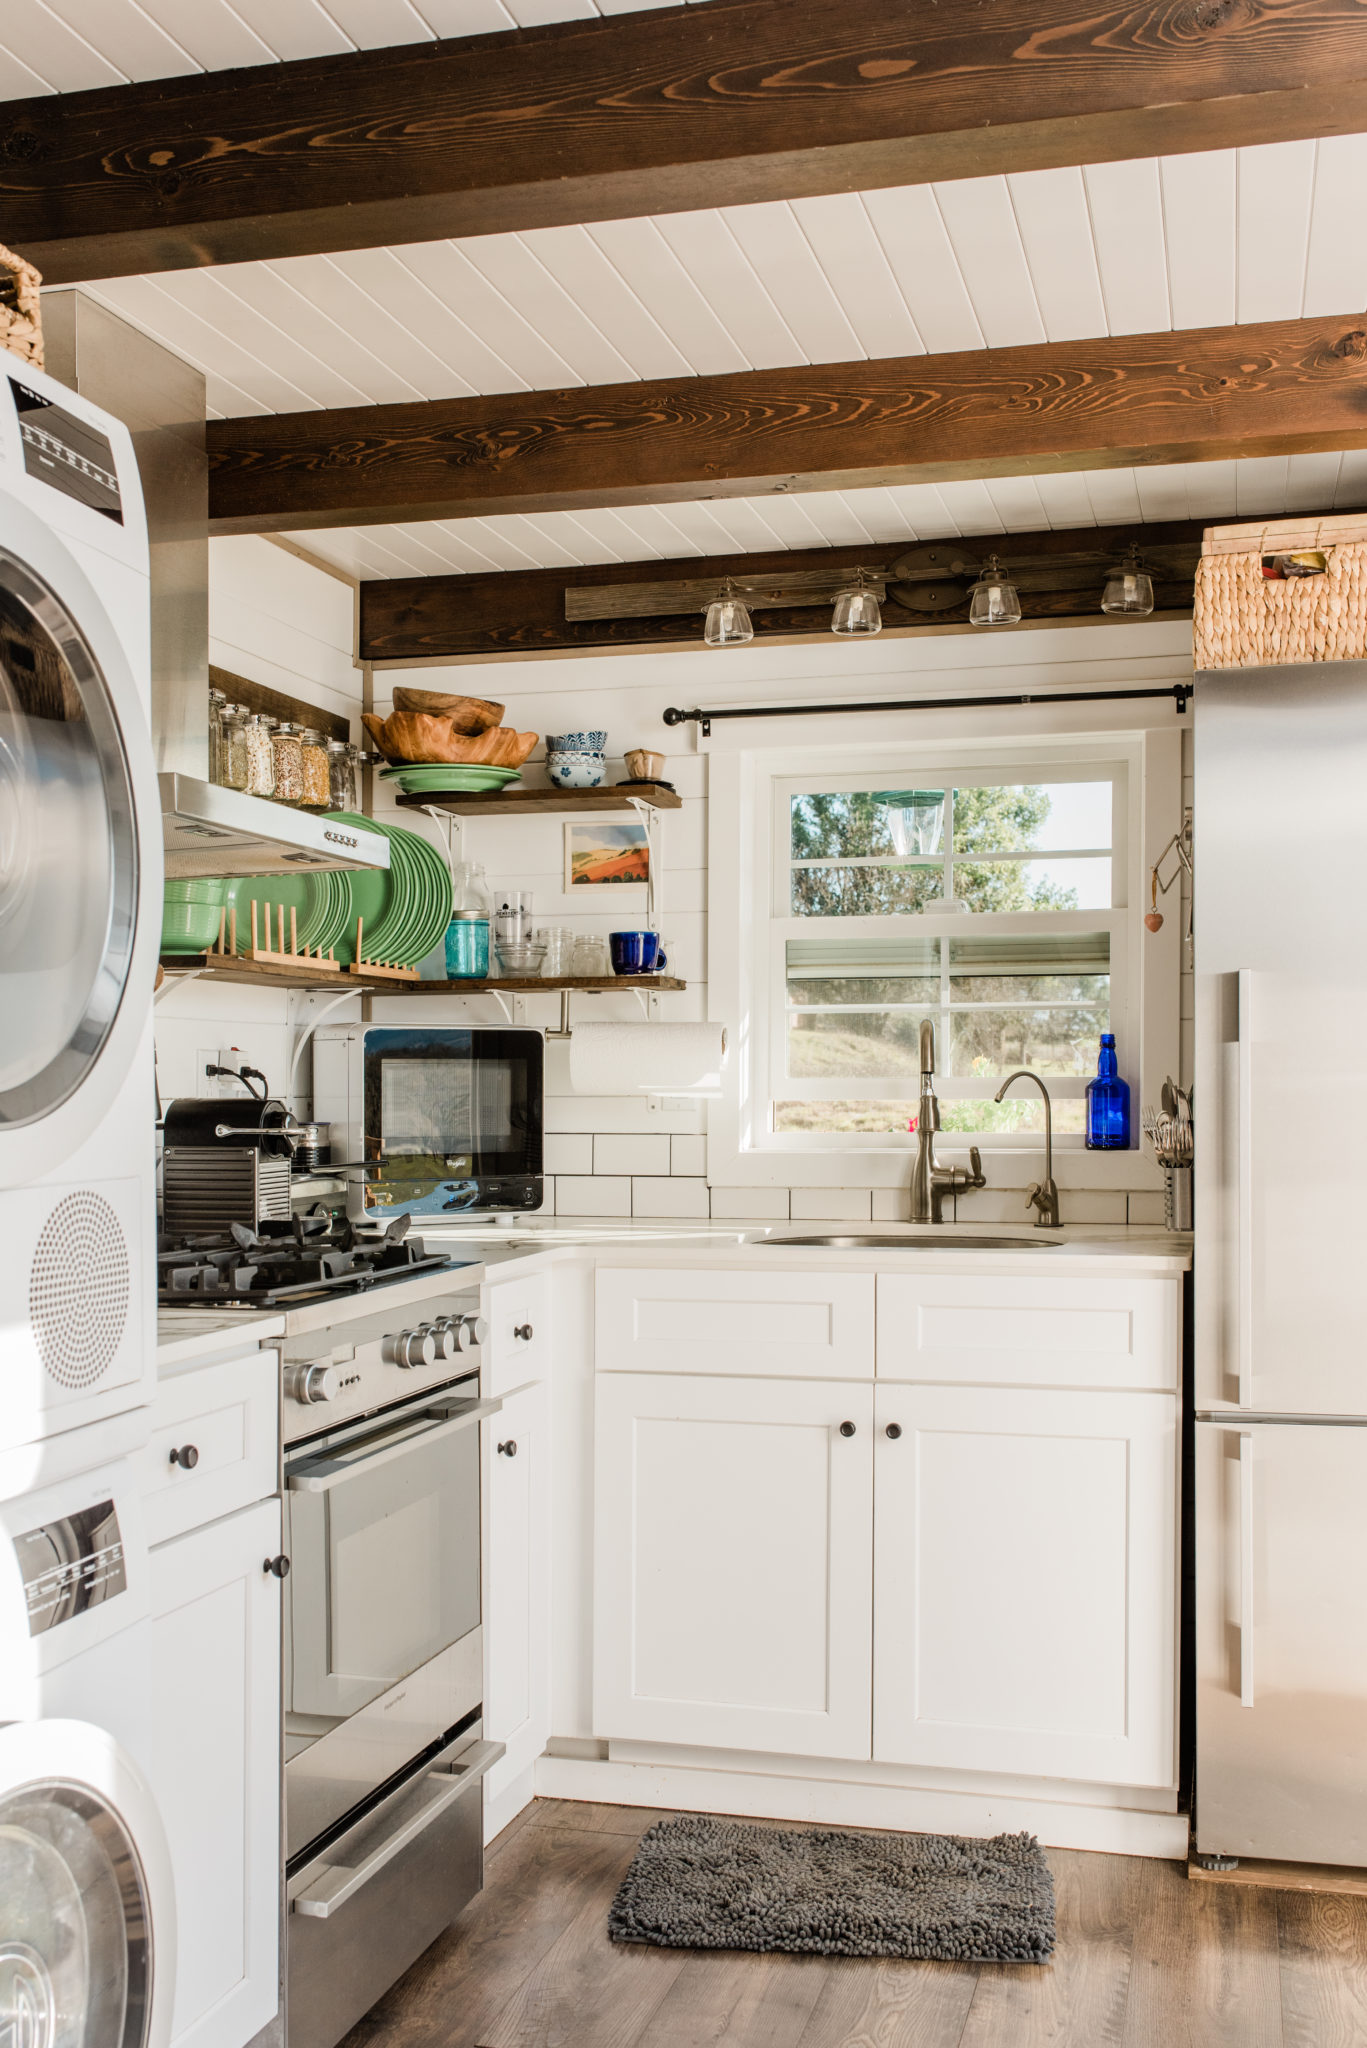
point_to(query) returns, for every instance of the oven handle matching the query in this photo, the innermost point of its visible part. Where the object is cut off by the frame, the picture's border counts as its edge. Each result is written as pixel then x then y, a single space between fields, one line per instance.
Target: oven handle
pixel 340 1883
pixel 320 1475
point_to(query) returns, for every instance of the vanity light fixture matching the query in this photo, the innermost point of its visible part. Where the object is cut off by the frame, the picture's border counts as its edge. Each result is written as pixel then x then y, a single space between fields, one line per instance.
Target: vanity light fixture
pixel 856 609
pixel 728 619
pixel 1129 588
pixel 994 600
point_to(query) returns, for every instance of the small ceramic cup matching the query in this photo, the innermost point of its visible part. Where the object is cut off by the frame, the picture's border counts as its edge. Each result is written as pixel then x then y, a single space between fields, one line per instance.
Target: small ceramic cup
pixel 633 952
pixel 644 766
pixel 577 743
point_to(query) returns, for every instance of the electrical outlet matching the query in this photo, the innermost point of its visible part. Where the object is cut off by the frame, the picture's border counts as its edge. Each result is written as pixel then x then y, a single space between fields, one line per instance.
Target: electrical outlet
pixel 226 1056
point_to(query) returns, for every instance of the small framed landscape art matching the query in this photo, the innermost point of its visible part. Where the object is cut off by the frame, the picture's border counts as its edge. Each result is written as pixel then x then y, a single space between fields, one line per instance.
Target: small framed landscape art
pixel 599 856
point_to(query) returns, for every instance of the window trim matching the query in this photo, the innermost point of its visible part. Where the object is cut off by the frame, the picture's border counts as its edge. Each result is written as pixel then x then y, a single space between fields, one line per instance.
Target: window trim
pixel 743 935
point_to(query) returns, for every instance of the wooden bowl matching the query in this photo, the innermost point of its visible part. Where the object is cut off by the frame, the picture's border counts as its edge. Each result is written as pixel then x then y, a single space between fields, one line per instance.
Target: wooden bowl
pixel 415 736
pixel 467 714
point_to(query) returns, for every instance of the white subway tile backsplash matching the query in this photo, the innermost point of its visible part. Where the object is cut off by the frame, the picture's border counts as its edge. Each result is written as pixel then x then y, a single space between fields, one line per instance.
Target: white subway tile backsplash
pixel 625 1113
pixel 830 1205
pixel 631 1155
pixel 592 1195
pixel 671 1197
pixel 688 1155
pixel 569 1153
pixel 754 1205
pixel 1009 1204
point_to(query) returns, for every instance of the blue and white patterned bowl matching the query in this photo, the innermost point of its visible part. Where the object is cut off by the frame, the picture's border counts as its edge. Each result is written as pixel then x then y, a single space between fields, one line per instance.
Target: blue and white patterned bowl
pixel 578 743
pixel 577 770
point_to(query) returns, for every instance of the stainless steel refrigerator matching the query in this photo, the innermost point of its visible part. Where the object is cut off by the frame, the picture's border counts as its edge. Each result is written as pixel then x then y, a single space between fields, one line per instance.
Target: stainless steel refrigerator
pixel 1280 1342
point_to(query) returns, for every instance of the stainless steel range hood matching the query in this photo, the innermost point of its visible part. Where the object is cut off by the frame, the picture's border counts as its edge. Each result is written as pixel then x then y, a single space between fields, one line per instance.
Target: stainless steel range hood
pixel 208 830
pixel 213 831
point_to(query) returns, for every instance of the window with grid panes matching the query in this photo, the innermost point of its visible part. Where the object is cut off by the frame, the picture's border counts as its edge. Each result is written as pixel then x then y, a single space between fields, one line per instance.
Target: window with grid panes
pixel 979 899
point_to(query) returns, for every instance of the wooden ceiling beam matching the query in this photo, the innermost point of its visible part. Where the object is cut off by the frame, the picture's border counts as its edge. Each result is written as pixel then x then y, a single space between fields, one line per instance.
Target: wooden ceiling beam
pixel 657 112
pixel 517 613
pixel 1283 387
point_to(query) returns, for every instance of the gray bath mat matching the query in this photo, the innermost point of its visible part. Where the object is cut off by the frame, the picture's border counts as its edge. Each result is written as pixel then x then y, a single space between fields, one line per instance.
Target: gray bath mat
pixel 697 1882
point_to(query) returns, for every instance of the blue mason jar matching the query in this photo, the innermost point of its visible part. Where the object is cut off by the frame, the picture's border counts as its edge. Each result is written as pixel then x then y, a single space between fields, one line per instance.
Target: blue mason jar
pixel 467 946
pixel 1108 1103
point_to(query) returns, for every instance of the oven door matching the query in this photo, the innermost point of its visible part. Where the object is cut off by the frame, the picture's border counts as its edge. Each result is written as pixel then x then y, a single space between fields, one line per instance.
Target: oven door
pixel 450 1118
pixel 384 1530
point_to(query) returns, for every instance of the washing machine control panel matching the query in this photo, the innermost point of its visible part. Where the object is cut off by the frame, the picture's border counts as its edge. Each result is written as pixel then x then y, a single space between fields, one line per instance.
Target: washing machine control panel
pixel 71 1565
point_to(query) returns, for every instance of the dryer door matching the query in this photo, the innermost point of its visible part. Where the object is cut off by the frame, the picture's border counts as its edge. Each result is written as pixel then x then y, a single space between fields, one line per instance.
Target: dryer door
pixel 87 1929
pixel 77 831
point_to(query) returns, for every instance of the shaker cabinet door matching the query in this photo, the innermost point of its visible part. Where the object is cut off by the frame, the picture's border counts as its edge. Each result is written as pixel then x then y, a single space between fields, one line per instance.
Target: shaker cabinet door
pixel 1025 1575
pixel 215 1670
pixel 517 1708
pixel 734 1546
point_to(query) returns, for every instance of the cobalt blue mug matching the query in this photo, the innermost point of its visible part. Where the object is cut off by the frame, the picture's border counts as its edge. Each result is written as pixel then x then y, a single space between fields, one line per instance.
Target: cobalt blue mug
pixel 633 952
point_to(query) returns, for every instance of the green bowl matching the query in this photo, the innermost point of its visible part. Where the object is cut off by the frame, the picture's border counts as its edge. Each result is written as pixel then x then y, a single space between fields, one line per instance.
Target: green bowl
pixel 189 927
pixel 196 889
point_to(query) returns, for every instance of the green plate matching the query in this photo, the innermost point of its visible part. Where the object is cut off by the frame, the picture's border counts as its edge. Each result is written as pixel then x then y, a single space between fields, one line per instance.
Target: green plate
pixel 435 780
pixel 367 893
pixel 271 893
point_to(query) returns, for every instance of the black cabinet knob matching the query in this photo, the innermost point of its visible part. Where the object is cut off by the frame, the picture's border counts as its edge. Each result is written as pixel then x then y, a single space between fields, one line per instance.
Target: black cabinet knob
pixel 524 1331
pixel 847 1429
pixel 508 1450
pixel 187 1457
pixel 278 1567
pixel 894 1430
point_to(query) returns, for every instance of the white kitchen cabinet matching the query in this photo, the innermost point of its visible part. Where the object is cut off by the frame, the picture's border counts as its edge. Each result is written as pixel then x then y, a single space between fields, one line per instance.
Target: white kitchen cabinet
pixel 517 1469
pixel 734 1556
pixel 1025 1578
pixel 786 1323
pixel 518 1346
pixel 1029 1329
pixel 214 1446
pixel 215 1762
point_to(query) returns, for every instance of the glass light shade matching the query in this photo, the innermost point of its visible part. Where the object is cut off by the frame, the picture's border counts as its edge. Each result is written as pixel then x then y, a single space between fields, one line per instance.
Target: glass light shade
pixel 1128 589
pixel 994 600
pixel 856 610
pixel 728 622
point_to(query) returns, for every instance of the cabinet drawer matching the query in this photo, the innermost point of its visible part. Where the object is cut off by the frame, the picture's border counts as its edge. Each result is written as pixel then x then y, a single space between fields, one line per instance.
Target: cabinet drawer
pixel 1032 1331
pixel 228 1417
pixel 786 1325
pixel 518 1346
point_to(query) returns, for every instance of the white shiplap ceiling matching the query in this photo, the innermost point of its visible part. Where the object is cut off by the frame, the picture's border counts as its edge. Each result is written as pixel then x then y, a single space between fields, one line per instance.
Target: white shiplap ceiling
pixel 1191 241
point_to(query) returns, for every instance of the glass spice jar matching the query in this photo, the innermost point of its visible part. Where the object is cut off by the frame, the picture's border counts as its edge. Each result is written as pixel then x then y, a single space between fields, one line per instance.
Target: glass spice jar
pixel 315 765
pixel 341 777
pixel 260 756
pixel 289 764
pixel 218 704
pixel 234 748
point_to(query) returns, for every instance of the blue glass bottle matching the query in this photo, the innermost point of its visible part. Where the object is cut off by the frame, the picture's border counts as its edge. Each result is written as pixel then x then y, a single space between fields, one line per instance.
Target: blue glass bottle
pixel 1108 1103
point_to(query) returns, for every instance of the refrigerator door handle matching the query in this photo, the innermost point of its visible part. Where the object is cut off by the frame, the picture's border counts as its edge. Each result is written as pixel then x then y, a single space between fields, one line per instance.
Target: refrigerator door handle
pixel 1245 1568
pixel 1244 1171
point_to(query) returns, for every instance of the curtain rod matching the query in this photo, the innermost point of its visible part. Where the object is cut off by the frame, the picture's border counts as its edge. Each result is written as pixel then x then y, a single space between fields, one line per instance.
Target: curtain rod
pixel 1180 693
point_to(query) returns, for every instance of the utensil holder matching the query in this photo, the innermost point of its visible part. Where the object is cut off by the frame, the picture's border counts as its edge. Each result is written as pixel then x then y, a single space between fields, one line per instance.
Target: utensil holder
pixel 1177 1209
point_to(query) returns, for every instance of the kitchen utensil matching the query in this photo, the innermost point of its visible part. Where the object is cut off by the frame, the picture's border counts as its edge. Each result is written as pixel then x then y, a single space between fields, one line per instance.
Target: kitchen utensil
pixel 312 1147
pixel 467 947
pixel 576 771
pixel 645 766
pixel 577 743
pixel 412 737
pixel 190 915
pixel 559 951
pixel 431 779
pixel 522 956
pixel 470 715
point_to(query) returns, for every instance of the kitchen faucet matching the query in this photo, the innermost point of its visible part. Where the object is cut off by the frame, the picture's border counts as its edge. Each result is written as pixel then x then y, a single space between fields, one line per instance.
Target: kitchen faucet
pixel 1042 1196
pixel 931 1183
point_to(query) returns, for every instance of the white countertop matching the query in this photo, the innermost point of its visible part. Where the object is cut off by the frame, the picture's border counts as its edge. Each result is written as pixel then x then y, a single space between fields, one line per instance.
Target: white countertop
pixel 187 1334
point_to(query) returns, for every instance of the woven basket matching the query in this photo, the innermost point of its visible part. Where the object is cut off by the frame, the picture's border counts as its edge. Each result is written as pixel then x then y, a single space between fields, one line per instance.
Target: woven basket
pixel 1243 619
pixel 21 318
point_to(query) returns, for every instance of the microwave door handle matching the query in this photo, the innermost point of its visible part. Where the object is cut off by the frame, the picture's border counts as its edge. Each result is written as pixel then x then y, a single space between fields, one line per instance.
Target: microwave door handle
pixel 340 1883
pixel 320 1475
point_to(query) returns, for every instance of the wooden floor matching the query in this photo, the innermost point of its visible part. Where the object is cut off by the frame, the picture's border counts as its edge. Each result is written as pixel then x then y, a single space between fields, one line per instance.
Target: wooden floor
pixel 1144 1959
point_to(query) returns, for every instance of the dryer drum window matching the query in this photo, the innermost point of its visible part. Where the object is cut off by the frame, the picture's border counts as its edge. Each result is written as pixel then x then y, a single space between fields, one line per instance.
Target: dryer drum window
pixel 68 852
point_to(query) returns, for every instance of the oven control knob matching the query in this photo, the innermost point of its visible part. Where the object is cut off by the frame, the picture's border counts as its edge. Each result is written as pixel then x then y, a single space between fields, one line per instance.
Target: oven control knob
pixel 411 1347
pixel 472 1331
pixel 445 1336
pixel 312 1382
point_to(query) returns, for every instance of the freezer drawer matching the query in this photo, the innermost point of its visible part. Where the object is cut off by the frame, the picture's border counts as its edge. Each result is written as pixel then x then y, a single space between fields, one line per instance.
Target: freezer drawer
pixel 1281 1704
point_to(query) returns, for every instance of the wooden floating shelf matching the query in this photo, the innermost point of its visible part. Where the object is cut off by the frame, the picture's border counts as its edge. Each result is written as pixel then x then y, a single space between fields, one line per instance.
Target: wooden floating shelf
pixel 302 973
pixel 520 802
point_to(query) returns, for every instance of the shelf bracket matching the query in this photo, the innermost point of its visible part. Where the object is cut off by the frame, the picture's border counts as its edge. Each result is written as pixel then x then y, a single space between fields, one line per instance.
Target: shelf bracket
pixel 649 1000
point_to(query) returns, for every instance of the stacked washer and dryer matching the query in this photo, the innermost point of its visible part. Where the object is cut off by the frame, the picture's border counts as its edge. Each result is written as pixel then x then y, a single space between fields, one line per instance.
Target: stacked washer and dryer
pixel 87 1920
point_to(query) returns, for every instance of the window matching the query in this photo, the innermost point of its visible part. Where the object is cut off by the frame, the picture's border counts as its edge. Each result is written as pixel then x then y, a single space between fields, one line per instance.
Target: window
pixel 984 899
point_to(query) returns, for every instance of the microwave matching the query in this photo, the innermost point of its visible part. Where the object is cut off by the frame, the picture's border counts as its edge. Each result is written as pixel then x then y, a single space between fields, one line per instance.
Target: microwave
pixel 438 1120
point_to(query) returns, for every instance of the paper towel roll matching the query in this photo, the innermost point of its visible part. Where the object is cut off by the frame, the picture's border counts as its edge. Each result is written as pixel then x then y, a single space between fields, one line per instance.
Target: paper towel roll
pixel 650 1059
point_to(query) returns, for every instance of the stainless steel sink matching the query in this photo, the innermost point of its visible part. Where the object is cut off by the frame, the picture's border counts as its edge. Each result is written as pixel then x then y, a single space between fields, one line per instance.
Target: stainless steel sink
pixel 924 1243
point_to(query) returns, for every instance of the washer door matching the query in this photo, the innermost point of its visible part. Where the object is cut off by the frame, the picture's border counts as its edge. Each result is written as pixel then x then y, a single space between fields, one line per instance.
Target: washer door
pixel 78 828
pixel 87 1935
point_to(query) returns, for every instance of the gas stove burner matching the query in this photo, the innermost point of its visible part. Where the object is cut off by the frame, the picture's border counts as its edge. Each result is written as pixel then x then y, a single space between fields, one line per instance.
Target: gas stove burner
pixel 277 1263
